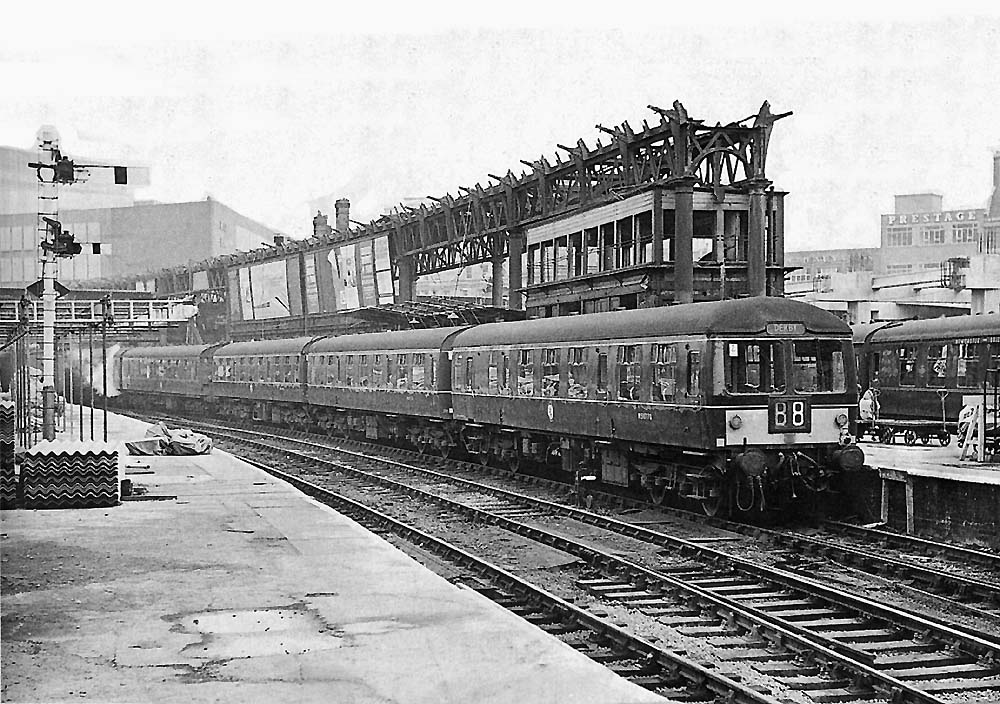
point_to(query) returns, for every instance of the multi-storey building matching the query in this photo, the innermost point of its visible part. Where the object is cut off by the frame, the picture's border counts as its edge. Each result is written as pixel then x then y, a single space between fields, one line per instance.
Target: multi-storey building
pixel 140 238
pixel 134 236
pixel 920 234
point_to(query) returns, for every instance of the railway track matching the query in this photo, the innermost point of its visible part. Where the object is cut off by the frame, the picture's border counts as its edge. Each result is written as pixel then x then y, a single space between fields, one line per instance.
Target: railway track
pixel 831 645
pixel 673 676
pixel 966 581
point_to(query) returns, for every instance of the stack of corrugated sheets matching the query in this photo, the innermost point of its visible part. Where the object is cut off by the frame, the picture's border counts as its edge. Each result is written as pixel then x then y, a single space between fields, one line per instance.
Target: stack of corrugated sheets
pixel 70 474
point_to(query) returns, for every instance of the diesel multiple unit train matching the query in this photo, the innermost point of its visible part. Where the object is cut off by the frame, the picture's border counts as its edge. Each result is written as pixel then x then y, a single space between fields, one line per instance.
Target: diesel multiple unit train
pixel 737 406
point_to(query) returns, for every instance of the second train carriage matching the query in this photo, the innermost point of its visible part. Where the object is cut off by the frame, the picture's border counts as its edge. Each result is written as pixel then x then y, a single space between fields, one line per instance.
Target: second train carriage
pixel 920 370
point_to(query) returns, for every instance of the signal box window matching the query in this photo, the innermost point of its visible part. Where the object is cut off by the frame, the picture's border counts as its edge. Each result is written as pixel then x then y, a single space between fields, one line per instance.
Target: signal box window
pixel 818 366
pixel 664 372
pixel 525 373
pixel 907 365
pixel 550 372
pixel 755 367
pixel 628 372
pixel 937 364
pixel 577 377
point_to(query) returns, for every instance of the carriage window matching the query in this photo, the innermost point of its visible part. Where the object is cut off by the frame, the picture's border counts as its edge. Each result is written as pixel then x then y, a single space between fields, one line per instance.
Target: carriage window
pixel 432 379
pixel 493 374
pixel 390 371
pixel 602 372
pixel 694 373
pixel 664 372
pixel 402 372
pixel 417 375
pixel 349 371
pixel 755 367
pixel 377 371
pixel 577 379
pixel 525 373
pixel 993 376
pixel 907 365
pixel 937 363
pixel 499 373
pixel 550 372
pixel 628 372
pixel 818 366
pixel 469 373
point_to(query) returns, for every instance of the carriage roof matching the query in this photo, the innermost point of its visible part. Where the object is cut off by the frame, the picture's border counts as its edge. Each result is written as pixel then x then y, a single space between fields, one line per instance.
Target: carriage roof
pixel 166 351
pixel 420 339
pixel 944 329
pixel 740 317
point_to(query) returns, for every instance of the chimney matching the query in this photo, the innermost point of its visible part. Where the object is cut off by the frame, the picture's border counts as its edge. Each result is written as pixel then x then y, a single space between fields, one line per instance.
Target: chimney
pixel 279 240
pixel 321 227
pixel 343 217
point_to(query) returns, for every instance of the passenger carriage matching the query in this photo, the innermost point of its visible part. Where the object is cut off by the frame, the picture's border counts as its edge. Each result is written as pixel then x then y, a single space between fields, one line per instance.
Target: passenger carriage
pixel 920 371
pixel 172 377
pixel 723 403
pixel 384 386
pixel 261 380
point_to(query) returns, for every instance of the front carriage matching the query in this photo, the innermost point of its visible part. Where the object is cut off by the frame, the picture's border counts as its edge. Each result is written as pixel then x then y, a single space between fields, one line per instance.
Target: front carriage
pixel 733 404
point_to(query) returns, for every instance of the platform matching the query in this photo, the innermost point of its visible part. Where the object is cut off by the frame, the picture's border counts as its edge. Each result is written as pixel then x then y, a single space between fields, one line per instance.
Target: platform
pixel 929 491
pixel 234 587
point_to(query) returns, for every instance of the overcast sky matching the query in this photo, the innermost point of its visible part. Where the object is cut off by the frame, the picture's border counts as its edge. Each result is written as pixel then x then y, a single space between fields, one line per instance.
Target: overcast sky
pixel 275 116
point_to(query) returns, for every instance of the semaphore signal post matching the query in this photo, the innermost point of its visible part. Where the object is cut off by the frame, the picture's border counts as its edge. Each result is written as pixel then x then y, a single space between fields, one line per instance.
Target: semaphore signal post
pixel 53 169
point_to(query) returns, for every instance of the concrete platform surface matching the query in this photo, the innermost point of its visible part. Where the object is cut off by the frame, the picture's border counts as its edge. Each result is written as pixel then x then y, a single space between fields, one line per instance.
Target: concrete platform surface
pixel 931 461
pixel 241 589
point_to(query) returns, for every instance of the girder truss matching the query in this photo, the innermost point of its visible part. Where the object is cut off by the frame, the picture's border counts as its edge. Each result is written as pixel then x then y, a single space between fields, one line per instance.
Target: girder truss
pixel 472 227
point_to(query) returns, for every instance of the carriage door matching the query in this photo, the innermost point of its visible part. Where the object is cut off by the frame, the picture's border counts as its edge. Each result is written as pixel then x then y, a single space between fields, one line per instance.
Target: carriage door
pixel 872 365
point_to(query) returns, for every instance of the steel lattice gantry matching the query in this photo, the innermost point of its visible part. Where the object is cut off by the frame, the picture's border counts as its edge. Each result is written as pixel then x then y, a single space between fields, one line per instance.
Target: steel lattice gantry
pixel 486 223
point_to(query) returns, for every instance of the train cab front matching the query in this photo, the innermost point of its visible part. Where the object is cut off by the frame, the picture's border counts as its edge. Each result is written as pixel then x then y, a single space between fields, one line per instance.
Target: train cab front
pixel 787 408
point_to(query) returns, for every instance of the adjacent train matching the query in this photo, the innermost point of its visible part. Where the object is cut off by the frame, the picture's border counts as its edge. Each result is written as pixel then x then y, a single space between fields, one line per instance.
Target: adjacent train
pixel 736 406
pixel 921 370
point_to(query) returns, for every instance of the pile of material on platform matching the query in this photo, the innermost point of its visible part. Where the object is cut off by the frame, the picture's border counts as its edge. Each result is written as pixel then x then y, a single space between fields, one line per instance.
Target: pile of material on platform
pixel 161 440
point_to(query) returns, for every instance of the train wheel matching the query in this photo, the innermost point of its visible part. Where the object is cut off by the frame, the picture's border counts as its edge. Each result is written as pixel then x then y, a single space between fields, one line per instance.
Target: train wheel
pixel 514 463
pixel 657 495
pixel 910 437
pixel 944 439
pixel 712 503
pixel 886 436
pixel 484 458
pixel 925 439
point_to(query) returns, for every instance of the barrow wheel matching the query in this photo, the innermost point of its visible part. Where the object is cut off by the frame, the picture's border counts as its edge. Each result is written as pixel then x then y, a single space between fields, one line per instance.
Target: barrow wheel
pixel 944 438
pixel 925 439
pixel 886 436
pixel 910 437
